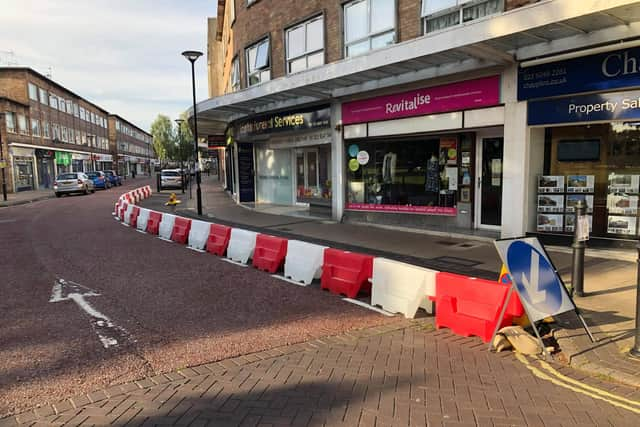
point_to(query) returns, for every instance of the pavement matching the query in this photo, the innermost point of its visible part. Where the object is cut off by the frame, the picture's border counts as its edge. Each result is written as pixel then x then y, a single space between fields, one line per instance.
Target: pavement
pixel 610 275
pixel 193 340
pixel 24 197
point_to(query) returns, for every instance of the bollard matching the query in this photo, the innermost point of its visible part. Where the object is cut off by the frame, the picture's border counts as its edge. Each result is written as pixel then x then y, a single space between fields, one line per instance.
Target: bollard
pixel 577 272
pixel 158 182
pixel 635 350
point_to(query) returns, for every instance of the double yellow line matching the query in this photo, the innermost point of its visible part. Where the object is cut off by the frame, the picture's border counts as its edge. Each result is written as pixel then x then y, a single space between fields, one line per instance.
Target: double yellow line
pixel 555 377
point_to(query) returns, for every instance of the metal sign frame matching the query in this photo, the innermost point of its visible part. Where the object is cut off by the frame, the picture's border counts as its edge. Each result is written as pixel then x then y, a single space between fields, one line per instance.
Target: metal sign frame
pixel 514 288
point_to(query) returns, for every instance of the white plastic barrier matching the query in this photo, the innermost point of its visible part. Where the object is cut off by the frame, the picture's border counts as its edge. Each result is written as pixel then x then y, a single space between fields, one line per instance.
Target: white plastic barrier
pixel 402 288
pixel 122 209
pixel 241 245
pixel 143 219
pixel 127 214
pixel 304 261
pixel 166 226
pixel 198 234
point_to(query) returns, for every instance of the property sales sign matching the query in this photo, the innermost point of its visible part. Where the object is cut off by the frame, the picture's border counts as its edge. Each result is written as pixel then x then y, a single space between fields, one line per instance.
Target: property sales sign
pixel 483 92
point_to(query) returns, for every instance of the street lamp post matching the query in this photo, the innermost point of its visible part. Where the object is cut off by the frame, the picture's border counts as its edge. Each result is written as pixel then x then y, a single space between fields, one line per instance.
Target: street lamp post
pixel 2 163
pixel 192 56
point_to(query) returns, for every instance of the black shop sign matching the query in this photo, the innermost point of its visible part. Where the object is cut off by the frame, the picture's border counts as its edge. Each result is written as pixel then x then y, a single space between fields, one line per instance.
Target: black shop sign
pixel 285 121
pixel 45 154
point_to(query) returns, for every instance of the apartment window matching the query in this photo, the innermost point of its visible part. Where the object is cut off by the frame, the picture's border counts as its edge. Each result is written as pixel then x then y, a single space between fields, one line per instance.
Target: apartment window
pixel 10 121
pixel 53 101
pixel 76 112
pixel 44 96
pixel 369 24
pixel 71 137
pixel 78 137
pixel 232 5
pixel 35 127
pixel 62 105
pixel 69 107
pixel 305 45
pixel 258 64
pixel 82 113
pixel 56 131
pixel 235 74
pixel 117 125
pixel 45 129
pixel 92 117
pixel 84 138
pixel 33 92
pixel 22 125
pixel 440 14
pixel 64 134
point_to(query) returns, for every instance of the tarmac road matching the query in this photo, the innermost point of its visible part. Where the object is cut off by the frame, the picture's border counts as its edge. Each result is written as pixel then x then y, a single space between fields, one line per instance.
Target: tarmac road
pixel 160 306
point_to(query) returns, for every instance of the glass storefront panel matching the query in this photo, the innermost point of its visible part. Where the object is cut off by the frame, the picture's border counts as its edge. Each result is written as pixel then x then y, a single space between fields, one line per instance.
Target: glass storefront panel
pixel 599 164
pixel 45 172
pixel 313 175
pixel 419 175
pixel 23 173
pixel 274 181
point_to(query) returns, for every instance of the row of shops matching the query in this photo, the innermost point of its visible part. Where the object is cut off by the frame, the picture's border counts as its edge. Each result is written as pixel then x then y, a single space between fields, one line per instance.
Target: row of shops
pixel 510 151
pixel 35 168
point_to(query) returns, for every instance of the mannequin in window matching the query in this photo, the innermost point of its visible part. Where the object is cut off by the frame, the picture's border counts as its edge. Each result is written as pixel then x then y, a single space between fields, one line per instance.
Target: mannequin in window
pixel 432 183
pixel 389 167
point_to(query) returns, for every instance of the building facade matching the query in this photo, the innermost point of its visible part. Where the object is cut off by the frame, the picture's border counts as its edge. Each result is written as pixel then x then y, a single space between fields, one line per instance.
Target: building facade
pixel 430 114
pixel 131 146
pixel 48 129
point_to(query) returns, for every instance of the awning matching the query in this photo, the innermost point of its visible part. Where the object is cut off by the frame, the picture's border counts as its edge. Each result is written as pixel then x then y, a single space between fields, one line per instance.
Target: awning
pixel 541 29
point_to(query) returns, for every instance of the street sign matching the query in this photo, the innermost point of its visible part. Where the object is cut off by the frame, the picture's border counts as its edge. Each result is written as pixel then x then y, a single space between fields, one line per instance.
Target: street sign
pixel 540 288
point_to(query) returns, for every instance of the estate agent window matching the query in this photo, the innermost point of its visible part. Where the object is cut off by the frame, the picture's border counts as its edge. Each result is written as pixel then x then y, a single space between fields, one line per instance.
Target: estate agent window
pixel 369 24
pixel 305 45
pixel 440 14
pixel 258 64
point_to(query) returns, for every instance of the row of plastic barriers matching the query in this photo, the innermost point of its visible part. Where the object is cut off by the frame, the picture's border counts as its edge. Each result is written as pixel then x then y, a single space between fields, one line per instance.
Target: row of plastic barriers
pixel 466 305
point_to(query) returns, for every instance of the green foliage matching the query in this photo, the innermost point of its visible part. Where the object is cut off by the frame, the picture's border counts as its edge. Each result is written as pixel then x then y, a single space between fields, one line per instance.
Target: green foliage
pixel 163 137
pixel 183 143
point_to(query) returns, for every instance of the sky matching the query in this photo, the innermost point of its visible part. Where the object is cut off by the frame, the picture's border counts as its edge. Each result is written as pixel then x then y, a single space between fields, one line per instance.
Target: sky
pixel 123 55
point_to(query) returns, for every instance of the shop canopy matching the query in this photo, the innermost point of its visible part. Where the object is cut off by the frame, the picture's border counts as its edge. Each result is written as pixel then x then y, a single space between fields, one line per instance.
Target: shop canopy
pixel 541 29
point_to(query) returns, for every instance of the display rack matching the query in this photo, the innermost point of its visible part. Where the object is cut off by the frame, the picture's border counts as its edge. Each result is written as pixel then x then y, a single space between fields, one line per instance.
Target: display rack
pixel 622 204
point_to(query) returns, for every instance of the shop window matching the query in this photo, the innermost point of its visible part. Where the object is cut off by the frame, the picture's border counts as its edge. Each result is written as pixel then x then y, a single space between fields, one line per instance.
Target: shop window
pixel 597 164
pixel 10 121
pixel 258 63
pixel 22 125
pixel 369 24
pixel 35 127
pixel 45 130
pixel 313 175
pixel 440 14
pixel 416 176
pixel 33 92
pixel 305 45
pixel 44 96
pixel 235 75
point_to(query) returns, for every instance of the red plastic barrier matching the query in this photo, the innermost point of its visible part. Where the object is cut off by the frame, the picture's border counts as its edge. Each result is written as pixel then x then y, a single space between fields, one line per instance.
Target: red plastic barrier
pixel 470 306
pixel 133 218
pixel 218 240
pixel 153 225
pixel 123 209
pixel 269 253
pixel 181 228
pixel 346 272
pixel 128 197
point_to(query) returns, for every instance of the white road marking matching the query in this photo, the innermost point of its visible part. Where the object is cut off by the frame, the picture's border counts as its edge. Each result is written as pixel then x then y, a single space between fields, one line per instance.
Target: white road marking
pixel 165 239
pixel 369 306
pixel 196 249
pixel 108 332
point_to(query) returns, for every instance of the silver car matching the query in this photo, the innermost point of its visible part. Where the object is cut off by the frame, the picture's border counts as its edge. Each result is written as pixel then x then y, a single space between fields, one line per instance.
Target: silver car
pixel 170 178
pixel 73 182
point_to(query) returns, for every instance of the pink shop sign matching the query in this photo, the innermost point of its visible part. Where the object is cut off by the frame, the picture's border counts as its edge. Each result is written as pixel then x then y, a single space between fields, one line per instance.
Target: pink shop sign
pixel 429 210
pixel 484 92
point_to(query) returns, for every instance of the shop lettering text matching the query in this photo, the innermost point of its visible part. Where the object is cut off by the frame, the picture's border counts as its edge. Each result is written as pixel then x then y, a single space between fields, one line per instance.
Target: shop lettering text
pixel 611 107
pixel 619 64
pixel 285 121
pixel 408 105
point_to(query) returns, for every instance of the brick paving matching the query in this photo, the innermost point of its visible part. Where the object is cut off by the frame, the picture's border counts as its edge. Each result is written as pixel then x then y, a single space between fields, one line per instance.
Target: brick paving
pixel 392 375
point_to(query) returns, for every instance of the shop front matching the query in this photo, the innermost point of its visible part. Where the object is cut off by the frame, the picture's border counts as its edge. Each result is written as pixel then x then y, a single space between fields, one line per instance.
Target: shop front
pixel 103 161
pixel 24 177
pixel 63 162
pixel 81 162
pixel 589 108
pixel 414 158
pixel 46 172
pixel 285 158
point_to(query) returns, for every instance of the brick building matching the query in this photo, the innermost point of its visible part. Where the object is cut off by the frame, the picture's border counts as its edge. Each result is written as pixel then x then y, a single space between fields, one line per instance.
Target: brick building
pixel 130 145
pixel 425 113
pixel 47 130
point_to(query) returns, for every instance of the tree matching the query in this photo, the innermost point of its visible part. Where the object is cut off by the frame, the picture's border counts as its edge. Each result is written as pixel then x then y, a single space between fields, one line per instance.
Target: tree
pixel 163 138
pixel 183 141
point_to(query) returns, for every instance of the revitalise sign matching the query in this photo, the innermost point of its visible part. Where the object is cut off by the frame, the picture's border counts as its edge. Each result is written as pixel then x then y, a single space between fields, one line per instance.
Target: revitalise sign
pixel 605 71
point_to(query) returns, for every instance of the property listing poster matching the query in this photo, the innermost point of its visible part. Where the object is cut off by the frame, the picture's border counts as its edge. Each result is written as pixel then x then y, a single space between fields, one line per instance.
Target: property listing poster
pixel 624 183
pixel 572 201
pixel 570 223
pixel 622 225
pixel 551 184
pixel 580 183
pixel 550 222
pixel 550 203
pixel 622 204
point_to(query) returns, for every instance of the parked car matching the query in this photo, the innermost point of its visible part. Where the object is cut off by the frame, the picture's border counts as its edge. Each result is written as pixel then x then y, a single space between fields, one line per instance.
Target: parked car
pixel 113 177
pixel 99 179
pixel 170 178
pixel 74 182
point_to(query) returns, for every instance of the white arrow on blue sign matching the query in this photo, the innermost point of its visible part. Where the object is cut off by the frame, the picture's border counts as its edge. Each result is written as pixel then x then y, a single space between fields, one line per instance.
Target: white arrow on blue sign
pixel 536 281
